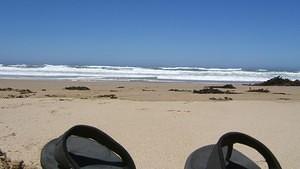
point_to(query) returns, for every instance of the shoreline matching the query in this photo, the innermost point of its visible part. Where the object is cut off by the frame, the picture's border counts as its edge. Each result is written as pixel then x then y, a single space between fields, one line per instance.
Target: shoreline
pixel 144 81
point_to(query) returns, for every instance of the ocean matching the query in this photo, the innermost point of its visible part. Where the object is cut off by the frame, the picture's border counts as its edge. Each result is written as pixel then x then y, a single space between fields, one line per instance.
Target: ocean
pixel 155 74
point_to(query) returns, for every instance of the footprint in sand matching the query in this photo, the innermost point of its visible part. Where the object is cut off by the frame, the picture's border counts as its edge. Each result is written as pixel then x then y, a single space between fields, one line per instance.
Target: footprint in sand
pixel 14 106
pixel 173 110
pixel 9 135
pixel 179 111
pixel 53 111
pixel 29 146
pixel 103 103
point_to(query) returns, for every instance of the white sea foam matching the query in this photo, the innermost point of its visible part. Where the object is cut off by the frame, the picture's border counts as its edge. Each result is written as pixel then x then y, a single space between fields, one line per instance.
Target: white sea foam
pixel 94 72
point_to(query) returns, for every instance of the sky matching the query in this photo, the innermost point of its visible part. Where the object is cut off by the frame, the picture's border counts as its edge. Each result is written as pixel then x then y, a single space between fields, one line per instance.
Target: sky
pixel 224 33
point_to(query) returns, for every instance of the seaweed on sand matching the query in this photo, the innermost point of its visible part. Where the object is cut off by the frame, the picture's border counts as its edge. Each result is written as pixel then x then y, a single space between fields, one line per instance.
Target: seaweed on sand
pixel 77 88
pixel 259 90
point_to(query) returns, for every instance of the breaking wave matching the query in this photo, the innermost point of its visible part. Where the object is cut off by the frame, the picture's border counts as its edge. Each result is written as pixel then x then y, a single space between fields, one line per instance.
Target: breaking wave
pixel 94 72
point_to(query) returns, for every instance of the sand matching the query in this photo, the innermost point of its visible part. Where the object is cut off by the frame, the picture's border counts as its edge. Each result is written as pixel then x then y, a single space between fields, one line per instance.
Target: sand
pixel 159 128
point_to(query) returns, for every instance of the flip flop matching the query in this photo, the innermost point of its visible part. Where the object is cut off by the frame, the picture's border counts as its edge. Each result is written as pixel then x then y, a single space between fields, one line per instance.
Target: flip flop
pixel 223 156
pixel 85 147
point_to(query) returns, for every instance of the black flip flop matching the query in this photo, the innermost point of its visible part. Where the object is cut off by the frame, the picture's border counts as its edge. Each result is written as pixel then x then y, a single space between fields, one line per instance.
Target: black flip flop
pixel 223 156
pixel 85 147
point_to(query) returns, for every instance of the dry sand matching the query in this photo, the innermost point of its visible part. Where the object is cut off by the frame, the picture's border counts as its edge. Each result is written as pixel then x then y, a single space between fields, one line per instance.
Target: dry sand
pixel 159 128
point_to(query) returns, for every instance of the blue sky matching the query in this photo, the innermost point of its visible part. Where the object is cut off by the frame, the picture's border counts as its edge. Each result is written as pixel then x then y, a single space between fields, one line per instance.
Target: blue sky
pixel 225 33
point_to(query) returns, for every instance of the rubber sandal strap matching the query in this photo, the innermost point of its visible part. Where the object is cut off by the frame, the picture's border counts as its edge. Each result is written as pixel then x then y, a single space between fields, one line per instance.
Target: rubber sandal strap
pixel 64 158
pixel 217 161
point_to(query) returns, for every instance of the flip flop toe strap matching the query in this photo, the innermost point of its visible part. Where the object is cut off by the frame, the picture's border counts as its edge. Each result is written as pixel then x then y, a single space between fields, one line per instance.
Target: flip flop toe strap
pixel 217 160
pixel 65 159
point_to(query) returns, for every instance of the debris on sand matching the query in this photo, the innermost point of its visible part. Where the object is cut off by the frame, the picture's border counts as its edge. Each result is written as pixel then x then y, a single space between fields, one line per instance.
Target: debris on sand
pixel 21 91
pixel 120 87
pixel 221 99
pixel 148 90
pixel 6 163
pixel 208 91
pixel 22 96
pixel 77 88
pixel 226 86
pixel 24 91
pixel 65 99
pixel 9 96
pixel 259 90
pixel 111 96
pixel 213 91
pixel 180 90
pixel 279 81
pixel 284 99
pixel 280 93
pixel 51 95
pixel 6 89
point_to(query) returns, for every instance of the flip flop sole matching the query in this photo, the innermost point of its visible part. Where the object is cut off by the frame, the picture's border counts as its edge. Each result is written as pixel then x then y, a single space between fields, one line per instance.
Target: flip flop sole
pixel 85 151
pixel 199 158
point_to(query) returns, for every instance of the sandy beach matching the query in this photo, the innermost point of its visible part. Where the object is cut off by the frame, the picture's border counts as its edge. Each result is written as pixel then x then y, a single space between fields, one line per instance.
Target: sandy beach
pixel 158 127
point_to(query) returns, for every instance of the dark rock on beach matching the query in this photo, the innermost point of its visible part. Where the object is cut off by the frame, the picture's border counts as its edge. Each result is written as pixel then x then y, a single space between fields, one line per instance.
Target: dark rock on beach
pixel 77 88
pixel 279 81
